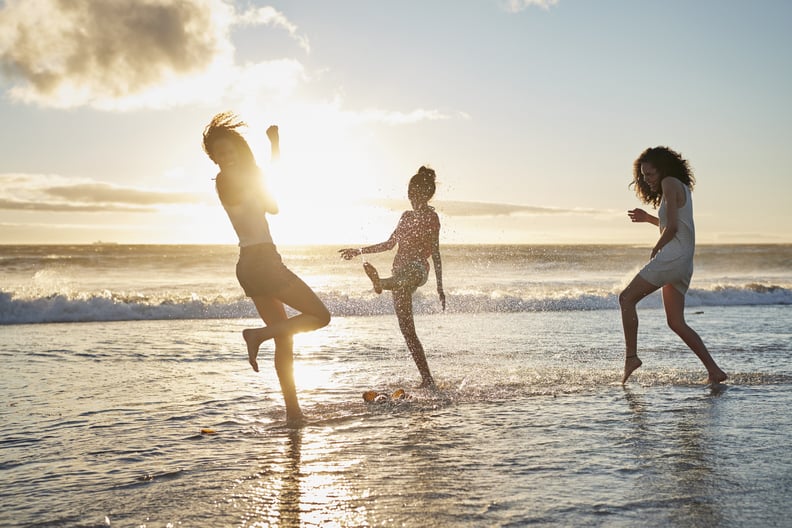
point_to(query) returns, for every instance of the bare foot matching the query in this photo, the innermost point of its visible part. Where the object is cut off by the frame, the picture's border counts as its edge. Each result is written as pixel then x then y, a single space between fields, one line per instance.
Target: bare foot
pixel 631 363
pixel 371 271
pixel 295 421
pixel 427 383
pixel 249 334
pixel 716 377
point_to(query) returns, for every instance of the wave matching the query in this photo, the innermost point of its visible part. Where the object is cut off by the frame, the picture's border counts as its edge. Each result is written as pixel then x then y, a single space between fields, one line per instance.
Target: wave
pixel 107 306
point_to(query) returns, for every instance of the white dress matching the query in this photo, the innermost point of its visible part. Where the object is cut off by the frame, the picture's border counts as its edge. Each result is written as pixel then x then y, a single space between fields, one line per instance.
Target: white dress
pixel 673 264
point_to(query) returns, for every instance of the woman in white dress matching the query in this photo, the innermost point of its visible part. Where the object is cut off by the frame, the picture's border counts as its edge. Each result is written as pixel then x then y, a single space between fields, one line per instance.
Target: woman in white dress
pixel 662 177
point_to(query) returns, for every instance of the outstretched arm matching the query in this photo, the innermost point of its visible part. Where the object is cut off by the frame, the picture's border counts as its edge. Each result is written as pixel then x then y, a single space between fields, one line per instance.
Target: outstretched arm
pixel 350 253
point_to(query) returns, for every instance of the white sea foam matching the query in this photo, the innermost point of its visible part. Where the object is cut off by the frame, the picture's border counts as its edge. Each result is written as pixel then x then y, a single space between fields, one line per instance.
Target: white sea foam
pixel 107 306
pixel 112 283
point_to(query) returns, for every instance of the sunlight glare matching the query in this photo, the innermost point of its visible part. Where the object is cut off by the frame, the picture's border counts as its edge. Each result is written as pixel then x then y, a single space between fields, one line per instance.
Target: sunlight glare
pixel 324 174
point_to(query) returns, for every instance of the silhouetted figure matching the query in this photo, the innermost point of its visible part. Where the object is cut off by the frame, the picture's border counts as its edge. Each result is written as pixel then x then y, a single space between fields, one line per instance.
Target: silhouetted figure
pixel 260 270
pixel 418 237
pixel 662 177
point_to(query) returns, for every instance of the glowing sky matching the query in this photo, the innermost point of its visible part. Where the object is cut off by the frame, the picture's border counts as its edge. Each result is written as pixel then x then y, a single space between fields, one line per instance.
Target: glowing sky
pixel 530 111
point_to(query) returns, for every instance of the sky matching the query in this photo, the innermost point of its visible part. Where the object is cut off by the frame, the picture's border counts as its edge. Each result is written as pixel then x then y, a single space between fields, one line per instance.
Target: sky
pixel 530 111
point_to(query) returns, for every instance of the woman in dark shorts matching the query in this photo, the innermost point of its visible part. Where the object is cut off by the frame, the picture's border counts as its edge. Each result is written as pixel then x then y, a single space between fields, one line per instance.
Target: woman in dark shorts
pixel 260 270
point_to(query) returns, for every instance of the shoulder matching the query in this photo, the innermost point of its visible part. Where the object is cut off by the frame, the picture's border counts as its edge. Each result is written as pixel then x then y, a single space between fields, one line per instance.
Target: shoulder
pixel 434 216
pixel 404 220
pixel 430 220
pixel 672 186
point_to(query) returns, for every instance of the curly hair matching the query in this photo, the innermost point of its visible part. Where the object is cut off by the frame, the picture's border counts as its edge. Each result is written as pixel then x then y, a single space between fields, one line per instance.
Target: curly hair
pixel 668 162
pixel 423 183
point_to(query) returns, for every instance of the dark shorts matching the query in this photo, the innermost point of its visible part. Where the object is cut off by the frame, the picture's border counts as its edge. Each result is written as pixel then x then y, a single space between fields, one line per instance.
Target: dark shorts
pixel 260 270
pixel 410 276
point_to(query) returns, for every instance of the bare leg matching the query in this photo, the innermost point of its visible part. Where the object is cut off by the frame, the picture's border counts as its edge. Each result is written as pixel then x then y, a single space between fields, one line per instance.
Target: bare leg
pixel 628 300
pixel 281 328
pixel 674 304
pixel 397 281
pixel 313 315
pixel 273 312
pixel 402 302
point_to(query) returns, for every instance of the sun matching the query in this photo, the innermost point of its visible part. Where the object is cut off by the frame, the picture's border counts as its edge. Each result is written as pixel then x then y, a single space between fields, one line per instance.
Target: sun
pixel 329 175
pixel 322 184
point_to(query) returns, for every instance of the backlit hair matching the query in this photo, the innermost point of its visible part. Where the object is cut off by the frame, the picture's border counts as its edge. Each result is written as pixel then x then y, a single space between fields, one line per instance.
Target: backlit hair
pixel 226 125
pixel 668 163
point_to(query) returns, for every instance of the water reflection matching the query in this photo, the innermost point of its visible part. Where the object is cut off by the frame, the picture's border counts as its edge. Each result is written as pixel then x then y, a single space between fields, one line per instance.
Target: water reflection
pixel 274 496
pixel 304 486
pixel 290 497
pixel 673 443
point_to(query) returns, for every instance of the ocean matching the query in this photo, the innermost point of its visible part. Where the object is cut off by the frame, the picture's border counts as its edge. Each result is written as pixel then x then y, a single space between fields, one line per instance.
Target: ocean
pixel 127 399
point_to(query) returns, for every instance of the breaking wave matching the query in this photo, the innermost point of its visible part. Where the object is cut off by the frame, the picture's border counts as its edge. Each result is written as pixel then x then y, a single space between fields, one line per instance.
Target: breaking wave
pixel 108 306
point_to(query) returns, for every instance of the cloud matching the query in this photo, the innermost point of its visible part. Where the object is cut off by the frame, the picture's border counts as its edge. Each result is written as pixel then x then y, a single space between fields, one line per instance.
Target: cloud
pixel 37 192
pixel 463 208
pixel 326 117
pixel 107 193
pixel 515 6
pixel 269 16
pixel 116 54
pixel 400 118
pixel 459 208
pixel 59 207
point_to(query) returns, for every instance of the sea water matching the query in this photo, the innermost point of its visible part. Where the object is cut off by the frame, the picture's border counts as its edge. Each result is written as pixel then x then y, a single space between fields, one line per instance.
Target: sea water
pixel 130 402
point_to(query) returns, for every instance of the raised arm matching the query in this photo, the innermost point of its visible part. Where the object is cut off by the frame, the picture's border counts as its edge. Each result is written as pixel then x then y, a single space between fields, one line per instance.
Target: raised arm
pixel 350 253
pixel 269 200
pixel 274 137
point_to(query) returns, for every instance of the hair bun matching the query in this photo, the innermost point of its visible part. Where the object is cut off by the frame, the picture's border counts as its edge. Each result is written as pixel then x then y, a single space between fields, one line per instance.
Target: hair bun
pixel 427 172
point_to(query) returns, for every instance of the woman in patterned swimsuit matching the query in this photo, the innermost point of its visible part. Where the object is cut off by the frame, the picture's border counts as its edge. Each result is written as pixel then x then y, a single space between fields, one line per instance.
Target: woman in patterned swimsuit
pixel 418 238
pixel 662 177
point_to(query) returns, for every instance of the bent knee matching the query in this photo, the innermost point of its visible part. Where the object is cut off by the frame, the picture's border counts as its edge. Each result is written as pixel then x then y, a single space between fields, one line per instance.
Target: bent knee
pixel 323 318
pixel 625 299
pixel 677 325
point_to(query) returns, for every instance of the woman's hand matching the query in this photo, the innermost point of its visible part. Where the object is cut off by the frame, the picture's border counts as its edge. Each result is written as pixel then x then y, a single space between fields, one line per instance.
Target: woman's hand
pixel 274 137
pixel 349 253
pixel 638 215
